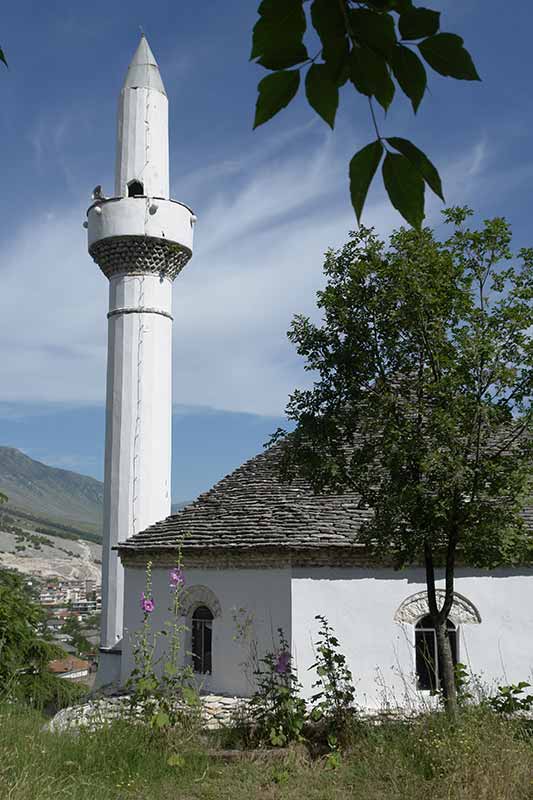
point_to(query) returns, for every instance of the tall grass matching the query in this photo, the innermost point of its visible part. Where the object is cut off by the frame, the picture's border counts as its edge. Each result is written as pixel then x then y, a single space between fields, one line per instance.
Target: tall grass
pixel 483 756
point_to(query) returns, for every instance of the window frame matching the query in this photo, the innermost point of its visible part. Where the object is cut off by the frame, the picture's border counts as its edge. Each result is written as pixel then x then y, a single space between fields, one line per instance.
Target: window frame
pixel 202 662
pixel 430 629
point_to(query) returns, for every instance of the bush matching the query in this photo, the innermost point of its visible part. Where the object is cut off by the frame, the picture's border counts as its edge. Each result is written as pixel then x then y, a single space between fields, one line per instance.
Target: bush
pixel 278 712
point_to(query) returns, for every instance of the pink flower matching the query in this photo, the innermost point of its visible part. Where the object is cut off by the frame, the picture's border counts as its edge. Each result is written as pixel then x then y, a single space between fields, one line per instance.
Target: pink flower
pixel 147 604
pixel 177 578
pixel 283 663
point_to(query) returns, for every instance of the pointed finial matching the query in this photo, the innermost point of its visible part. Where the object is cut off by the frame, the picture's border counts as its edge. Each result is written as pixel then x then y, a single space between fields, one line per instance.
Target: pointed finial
pixel 143 72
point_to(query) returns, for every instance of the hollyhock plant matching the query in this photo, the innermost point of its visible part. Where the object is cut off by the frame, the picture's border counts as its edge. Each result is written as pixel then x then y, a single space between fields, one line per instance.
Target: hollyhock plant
pixel 147 604
pixel 283 662
pixel 177 578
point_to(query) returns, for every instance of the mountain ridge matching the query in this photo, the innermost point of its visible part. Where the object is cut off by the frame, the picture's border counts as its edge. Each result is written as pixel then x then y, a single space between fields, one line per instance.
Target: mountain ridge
pixel 53 499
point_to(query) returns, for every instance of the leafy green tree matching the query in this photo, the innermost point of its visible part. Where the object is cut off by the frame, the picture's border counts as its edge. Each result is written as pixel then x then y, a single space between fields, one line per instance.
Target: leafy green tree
pixel 422 402
pixel 374 45
pixel 24 651
pixel 78 640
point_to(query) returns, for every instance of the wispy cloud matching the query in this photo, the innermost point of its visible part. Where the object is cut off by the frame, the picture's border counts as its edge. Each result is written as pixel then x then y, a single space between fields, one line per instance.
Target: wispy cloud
pixel 264 224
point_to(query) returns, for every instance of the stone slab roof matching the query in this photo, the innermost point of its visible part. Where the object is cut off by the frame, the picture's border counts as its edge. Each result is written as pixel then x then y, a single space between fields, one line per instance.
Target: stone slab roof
pixel 251 509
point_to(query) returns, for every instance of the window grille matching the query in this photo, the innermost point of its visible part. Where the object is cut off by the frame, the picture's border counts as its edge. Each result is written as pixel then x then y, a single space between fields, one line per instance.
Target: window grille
pixel 202 636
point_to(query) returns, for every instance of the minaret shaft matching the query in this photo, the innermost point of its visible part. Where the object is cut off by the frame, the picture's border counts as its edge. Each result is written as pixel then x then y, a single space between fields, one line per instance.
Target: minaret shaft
pixel 138 425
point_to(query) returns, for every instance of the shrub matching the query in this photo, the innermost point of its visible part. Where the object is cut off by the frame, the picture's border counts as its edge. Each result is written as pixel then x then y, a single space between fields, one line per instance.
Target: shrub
pixel 509 699
pixel 335 699
pixel 277 710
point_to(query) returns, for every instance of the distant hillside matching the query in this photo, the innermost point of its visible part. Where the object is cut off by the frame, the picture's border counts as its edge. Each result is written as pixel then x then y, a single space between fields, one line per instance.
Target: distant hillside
pixel 54 499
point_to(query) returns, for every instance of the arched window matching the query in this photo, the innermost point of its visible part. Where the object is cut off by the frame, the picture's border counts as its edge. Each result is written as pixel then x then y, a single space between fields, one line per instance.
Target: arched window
pixel 427 667
pixel 202 634
pixel 135 188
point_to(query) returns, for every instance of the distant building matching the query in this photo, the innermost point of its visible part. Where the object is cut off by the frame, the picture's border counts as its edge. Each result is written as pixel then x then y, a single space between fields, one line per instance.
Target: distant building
pixel 71 668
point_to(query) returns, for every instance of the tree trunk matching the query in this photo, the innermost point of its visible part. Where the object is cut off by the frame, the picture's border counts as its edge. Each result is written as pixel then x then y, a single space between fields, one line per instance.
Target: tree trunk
pixel 446 669
pixel 439 617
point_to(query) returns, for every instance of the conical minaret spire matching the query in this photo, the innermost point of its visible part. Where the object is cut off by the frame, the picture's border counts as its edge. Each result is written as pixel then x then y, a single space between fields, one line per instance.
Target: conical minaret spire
pixel 141 240
pixel 143 72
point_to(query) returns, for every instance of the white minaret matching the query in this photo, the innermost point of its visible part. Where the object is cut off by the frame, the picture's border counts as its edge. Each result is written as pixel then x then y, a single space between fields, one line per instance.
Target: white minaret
pixel 141 240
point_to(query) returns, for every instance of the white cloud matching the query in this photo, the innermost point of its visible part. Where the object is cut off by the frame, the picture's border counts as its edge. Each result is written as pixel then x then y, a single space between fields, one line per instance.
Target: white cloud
pixel 263 226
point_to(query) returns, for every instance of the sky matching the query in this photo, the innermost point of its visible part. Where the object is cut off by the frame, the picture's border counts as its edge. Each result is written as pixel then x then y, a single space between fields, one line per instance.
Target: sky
pixel 269 203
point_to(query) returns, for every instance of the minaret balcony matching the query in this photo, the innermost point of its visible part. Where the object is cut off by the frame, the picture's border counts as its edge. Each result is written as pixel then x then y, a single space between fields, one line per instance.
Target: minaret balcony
pixel 138 235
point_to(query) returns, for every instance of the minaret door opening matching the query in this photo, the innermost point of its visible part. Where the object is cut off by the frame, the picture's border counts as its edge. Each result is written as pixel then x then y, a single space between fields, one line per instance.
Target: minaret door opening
pixel 135 188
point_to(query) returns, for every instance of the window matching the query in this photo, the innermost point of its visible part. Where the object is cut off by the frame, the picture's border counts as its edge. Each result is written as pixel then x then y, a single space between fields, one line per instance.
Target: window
pixel 427 668
pixel 135 188
pixel 202 634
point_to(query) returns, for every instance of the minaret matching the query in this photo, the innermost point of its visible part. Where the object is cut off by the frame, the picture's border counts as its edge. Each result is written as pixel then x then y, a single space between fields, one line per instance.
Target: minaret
pixel 141 240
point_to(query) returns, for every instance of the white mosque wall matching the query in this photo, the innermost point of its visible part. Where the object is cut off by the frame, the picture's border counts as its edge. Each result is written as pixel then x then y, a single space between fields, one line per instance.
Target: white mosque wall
pixel 258 600
pixel 361 605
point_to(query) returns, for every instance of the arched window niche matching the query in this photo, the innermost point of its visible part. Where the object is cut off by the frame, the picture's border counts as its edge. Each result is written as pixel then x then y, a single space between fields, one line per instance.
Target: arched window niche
pixel 200 607
pixel 415 611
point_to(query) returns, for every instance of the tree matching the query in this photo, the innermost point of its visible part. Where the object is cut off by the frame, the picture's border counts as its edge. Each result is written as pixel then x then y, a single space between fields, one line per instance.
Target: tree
pixel 78 640
pixel 24 651
pixel 422 402
pixel 371 44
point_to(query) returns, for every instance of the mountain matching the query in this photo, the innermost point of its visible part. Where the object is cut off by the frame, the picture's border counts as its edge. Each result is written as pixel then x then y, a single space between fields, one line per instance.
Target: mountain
pixel 51 500
pixel 54 500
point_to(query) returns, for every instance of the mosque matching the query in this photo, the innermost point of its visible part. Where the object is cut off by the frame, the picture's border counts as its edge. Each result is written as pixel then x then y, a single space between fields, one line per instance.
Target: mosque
pixel 258 554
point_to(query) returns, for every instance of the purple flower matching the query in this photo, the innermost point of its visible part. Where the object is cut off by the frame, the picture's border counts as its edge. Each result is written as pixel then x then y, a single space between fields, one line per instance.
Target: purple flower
pixel 177 578
pixel 283 663
pixel 147 604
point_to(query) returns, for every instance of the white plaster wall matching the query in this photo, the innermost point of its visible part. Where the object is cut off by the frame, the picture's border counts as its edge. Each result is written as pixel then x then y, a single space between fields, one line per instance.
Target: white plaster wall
pixel 264 594
pixel 360 604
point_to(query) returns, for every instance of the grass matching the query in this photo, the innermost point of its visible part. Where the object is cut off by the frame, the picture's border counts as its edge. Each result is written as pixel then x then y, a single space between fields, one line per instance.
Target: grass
pixel 483 757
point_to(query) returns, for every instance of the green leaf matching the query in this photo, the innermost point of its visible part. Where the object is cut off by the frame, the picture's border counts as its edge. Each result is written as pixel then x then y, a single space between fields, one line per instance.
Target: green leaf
pixel 446 54
pixel 328 21
pixel 417 23
pixel 420 162
pixel 405 187
pixel 161 720
pixel 376 30
pixel 286 54
pixel 2 57
pixel 373 29
pixel 275 92
pixel 322 92
pixel 363 167
pixel 190 696
pixel 278 33
pixel 370 75
pixel 410 73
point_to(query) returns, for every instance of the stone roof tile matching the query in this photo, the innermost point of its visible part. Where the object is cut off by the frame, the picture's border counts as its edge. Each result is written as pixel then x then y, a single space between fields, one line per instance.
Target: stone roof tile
pixel 250 507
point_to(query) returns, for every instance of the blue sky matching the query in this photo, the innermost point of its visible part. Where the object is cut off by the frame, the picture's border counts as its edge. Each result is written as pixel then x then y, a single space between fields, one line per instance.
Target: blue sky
pixel 269 202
